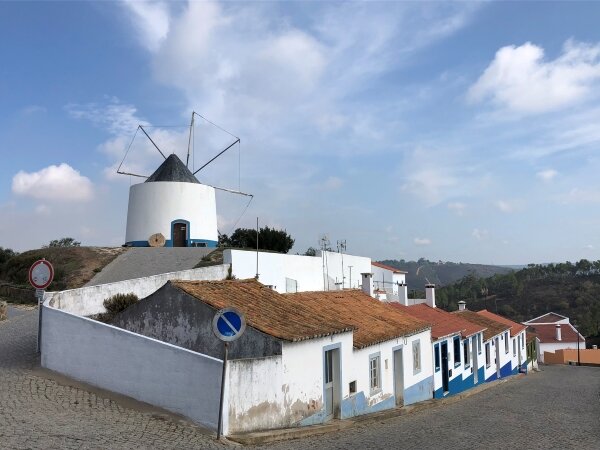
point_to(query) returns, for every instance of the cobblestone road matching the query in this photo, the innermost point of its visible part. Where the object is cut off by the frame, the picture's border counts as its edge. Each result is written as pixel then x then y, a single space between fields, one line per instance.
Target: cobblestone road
pixel 558 408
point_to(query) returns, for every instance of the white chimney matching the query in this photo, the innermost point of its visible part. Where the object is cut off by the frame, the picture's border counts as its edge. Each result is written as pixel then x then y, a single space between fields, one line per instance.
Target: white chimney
pixel 558 333
pixel 403 294
pixel 367 283
pixel 430 295
pixel 462 305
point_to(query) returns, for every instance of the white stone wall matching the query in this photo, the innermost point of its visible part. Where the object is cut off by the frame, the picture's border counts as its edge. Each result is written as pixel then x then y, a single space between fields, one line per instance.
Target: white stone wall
pixel 386 279
pixel 145 369
pixel 153 206
pixel 274 268
pixel 88 300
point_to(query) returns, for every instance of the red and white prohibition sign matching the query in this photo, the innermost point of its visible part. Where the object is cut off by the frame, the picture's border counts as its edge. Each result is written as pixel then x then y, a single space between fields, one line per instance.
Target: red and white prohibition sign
pixel 41 274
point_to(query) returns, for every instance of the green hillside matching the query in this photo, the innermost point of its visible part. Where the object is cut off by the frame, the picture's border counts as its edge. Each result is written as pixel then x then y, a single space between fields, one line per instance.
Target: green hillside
pixel 441 273
pixel 572 290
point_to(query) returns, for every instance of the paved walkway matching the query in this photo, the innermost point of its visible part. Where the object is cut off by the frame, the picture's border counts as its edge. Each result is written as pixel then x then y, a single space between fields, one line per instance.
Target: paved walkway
pixel 139 262
pixel 558 408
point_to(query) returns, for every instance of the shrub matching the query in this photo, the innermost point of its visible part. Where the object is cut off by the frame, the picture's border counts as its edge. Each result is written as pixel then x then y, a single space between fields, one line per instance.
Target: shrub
pixel 116 304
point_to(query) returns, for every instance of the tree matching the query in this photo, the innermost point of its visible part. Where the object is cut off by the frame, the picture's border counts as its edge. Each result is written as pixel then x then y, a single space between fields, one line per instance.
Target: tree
pixel 268 239
pixel 310 251
pixel 63 242
pixel 6 254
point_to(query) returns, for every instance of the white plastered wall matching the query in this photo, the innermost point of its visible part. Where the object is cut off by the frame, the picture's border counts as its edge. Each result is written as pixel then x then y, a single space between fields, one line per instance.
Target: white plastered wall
pixel 274 268
pixel 153 206
pixel 387 279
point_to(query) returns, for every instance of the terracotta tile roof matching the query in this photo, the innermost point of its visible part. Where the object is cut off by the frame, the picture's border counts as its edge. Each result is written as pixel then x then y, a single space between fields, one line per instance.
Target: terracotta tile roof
pixel 547 333
pixel 374 321
pixel 547 318
pixel 515 328
pixel 383 266
pixel 443 323
pixel 266 310
pixel 493 328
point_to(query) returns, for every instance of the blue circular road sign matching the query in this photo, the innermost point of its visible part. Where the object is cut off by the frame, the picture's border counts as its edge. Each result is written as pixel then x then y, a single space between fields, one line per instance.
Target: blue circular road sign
pixel 229 324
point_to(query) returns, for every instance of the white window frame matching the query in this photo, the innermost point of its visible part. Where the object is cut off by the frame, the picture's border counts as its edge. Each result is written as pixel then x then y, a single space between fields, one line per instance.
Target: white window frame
pixel 506 344
pixel 416 348
pixel 467 353
pixel 488 355
pixel 375 373
pixel 479 345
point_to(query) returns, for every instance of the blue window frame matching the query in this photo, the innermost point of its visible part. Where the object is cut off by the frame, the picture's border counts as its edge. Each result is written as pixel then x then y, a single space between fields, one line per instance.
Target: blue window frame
pixel 436 352
pixel 456 344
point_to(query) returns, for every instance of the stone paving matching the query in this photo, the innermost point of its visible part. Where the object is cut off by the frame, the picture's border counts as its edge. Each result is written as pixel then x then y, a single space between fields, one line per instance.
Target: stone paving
pixel 557 408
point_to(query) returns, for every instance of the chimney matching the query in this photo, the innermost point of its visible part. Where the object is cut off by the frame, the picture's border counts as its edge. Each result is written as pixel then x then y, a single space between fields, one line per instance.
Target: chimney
pixel 430 295
pixel 367 283
pixel 558 334
pixel 462 305
pixel 403 294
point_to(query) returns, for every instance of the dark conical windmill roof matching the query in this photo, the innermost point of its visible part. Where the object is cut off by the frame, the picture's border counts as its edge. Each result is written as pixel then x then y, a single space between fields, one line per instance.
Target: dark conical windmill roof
pixel 172 169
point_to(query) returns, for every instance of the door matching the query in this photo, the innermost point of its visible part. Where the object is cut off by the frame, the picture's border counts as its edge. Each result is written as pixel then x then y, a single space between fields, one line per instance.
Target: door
pixel 399 377
pixel 179 235
pixel 332 383
pixel 498 357
pixel 444 349
pixel 475 362
pixel 520 345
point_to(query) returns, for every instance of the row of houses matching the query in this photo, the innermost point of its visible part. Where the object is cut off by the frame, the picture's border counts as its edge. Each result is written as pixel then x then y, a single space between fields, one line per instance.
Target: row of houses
pixel 308 357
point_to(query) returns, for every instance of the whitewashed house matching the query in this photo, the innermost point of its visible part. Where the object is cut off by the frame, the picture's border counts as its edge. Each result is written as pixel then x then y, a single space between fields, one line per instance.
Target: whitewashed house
pixel 305 358
pixel 388 279
pixel 456 344
pixel 285 273
pixel 554 332
pixel 516 341
pixel 496 345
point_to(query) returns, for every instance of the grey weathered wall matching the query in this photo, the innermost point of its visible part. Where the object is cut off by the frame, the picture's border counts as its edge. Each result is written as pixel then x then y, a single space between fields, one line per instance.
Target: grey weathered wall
pixel 173 316
pixel 154 372
pixel 3 310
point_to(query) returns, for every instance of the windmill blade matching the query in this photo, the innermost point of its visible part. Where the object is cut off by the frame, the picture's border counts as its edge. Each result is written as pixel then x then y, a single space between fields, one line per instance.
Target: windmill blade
pixel 231 191
pixel 187 160
pixel 219 154
pixel 153 143
pixel 132 174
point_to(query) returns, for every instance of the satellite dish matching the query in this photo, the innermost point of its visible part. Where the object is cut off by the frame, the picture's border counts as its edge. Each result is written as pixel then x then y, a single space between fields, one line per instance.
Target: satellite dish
pixel 157 240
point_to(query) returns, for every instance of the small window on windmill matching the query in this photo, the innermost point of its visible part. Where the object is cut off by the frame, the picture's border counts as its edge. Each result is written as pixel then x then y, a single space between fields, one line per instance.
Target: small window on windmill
pixel 291 285
pixel 353 387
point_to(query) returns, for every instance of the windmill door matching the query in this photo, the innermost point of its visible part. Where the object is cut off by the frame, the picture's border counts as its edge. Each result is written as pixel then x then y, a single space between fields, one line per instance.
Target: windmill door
pixel 179 235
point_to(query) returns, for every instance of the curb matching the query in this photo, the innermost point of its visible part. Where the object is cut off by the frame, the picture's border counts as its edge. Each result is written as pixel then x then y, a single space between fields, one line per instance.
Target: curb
pixel 284 434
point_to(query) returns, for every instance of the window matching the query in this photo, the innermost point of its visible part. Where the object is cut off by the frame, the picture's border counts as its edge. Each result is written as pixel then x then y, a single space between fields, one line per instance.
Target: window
pixel 456 351
pixel 436 351
pixel 375 372
pixel 487 355
pixel 505 342
pixel 353 387
pixel 515 346
pixel 522 340
pixel 416 347
pixel 466 358
pixel 479 343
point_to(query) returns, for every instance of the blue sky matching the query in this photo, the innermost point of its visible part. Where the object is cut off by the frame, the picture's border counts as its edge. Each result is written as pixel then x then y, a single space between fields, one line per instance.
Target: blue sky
pixel 454 131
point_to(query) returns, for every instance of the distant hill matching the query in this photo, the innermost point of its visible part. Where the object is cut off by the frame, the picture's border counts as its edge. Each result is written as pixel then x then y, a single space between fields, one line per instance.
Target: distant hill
pixel 441 273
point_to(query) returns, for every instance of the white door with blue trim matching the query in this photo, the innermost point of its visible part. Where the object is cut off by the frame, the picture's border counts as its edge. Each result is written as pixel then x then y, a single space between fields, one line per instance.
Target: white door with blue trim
pixel 332 383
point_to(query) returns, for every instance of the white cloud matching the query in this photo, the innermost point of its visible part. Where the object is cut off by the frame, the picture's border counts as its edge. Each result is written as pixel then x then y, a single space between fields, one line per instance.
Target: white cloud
pixel 479 234
pixel 547 175
pixel 508 206
pixel 333 183
pixel 54 183
pixel 421 241
pixel 521 80
pixel 577 195
pixel 589 247
pixel 151 20
pixel 457 207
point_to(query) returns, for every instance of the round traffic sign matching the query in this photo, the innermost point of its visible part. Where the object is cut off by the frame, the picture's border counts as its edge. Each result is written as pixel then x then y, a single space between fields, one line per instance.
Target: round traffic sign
pixel 41 274
pixel 228 324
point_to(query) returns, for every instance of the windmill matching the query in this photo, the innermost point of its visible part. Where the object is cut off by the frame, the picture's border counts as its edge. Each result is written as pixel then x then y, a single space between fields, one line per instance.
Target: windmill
pixel 171 207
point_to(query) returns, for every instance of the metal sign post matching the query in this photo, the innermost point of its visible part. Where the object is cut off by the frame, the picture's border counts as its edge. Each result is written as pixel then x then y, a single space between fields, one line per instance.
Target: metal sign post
pixel 41 274
pixel 228 325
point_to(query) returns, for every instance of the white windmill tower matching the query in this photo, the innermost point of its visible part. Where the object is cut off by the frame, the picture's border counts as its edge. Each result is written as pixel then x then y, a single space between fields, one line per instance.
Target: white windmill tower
pixel 172 208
